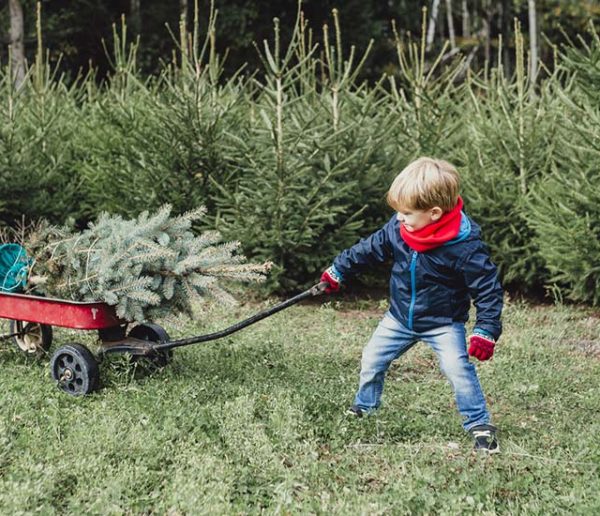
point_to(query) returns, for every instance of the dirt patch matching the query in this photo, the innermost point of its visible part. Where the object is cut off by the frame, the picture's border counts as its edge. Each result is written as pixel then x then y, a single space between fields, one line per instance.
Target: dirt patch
pixel 360 314
pixel 589 347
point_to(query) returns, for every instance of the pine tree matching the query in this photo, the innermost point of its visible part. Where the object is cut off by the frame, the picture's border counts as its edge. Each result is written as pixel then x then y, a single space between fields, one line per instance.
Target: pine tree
pixel 566 205
pixel 147 267
pixel 308 155
pixel 511 135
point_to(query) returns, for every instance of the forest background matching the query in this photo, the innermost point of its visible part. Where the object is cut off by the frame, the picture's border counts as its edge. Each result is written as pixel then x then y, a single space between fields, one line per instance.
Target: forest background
pixel 289 124
pixel 74 29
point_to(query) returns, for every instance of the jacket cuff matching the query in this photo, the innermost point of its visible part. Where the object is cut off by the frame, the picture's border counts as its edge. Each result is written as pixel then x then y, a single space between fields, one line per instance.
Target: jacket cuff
pixel 336 271
pixel 335 274
pixel 487 331
pixel 483 333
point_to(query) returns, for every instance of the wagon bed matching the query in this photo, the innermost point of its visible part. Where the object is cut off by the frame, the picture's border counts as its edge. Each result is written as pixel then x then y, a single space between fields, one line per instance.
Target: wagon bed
pixel 58 312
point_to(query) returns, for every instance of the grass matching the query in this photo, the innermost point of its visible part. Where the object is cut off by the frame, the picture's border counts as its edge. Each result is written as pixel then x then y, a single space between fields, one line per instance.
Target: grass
pixel 255 422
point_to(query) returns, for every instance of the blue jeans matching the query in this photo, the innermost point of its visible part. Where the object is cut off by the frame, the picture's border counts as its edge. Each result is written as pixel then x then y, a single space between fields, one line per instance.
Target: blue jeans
pixel 391 339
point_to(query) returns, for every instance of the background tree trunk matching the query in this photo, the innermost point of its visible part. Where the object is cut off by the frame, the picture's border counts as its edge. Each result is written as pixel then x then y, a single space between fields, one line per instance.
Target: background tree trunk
pixel 486 22
pixel 432 19
pixel 506 31
pixel 17 47
pixel 451 33
pixel 466 28
pixel 135 16
pixel 533 43
pixel 183 12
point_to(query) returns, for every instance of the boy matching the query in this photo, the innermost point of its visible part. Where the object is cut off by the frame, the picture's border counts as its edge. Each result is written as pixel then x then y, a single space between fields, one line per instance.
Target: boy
pixel 439 264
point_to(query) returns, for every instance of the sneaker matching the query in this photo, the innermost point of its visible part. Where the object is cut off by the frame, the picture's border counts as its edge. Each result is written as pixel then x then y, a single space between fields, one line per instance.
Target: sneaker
pixel 485 439
pixel 356 411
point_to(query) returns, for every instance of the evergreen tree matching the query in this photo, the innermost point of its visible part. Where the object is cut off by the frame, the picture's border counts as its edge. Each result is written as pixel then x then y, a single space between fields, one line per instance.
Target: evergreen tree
pixel 511 135
pixel 566 206
pixel 146 267
pixel 306 158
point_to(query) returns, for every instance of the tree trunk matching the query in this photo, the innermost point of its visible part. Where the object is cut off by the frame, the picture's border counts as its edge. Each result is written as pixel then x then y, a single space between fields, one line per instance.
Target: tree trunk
pixel 183 12
pixel 135 16
pixel 17 47
pixel 451 33
pixel 432 19
pixel 466 29
pixel 487 31
pixel 533 43
pixel 506 31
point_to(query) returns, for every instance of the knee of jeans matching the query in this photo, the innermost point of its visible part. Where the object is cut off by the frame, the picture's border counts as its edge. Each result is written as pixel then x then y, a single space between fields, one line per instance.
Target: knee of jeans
pixel 456 369
pixel 368 366
pixel 462 385
pixel 463 379
pixel 371 363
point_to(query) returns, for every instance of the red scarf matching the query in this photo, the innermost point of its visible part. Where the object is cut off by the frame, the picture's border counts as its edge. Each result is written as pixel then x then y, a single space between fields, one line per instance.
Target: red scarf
pixel 435 234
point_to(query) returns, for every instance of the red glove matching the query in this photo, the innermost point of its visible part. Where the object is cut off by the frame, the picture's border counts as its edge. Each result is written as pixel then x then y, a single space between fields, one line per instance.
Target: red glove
pixel 333 277
pixel 481 346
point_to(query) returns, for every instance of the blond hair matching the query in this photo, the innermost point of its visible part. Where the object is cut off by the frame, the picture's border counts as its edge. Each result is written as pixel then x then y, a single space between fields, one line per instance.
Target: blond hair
pixel 424 184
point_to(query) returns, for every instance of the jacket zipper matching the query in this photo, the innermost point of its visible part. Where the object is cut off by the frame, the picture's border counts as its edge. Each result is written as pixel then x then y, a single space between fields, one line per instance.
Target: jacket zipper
pixel 413 289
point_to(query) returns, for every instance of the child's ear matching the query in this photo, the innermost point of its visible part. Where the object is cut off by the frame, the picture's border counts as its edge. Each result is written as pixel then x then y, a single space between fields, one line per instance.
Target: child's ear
pixel 436 213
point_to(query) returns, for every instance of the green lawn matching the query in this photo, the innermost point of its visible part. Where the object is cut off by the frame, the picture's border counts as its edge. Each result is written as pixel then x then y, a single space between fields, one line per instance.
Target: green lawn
pixel 255 422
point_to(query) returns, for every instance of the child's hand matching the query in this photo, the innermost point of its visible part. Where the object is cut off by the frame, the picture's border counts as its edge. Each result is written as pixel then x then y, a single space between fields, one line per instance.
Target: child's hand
pixel 481 346
pixel 334 279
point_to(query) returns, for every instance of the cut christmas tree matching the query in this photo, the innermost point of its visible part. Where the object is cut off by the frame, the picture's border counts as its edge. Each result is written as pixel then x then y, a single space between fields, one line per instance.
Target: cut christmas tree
pixel 147 267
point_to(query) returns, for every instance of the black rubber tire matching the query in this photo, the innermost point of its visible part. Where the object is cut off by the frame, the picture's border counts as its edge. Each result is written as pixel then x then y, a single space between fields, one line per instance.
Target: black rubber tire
pixel 75 369
pixel 153 333
pixel 36 342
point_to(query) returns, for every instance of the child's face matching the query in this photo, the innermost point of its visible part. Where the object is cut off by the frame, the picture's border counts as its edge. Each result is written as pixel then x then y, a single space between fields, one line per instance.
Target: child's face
pixel 413 220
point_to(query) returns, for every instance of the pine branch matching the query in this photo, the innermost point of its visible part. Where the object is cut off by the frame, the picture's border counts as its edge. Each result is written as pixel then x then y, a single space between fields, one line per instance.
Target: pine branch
pixel 146 267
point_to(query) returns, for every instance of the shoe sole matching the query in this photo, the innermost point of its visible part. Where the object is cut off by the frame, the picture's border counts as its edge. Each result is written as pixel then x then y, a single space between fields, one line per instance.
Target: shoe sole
pixel 487 451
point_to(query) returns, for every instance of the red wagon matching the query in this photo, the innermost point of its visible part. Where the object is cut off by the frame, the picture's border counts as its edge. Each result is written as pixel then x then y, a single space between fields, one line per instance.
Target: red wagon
pixel 74 367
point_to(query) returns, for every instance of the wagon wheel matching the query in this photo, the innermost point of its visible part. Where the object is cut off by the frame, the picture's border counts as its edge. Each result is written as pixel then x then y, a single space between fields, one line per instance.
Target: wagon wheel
pixel 32 338
pixel 152 333
pixel 75 369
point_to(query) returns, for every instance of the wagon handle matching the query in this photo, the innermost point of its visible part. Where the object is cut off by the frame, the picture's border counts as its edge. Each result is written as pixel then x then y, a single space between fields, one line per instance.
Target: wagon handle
pixel 316 290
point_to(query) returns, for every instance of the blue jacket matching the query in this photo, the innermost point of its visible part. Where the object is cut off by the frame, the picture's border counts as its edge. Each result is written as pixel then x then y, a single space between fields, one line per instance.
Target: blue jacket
pixel 433 288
